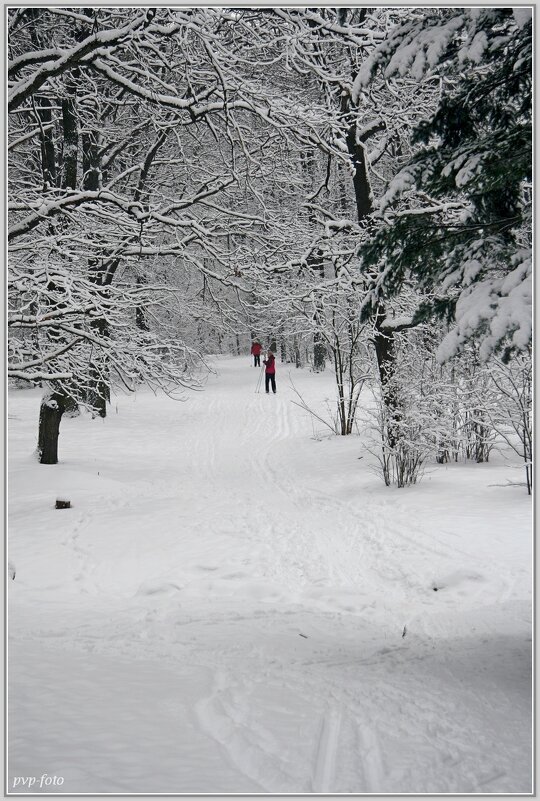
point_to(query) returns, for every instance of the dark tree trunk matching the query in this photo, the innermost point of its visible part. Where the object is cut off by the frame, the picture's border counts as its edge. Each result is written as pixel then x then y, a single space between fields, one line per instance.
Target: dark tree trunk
pixel 71 142
pixel 90 161
pixel 384 340
pixel 56 403
pixel 96 392
pixel 48 155
pixel 140 315
pixel 362 187
pixel 50 414
pixel 319 353
pixel 386 357
pixel 297 354
pixel 316 263
pixel 99 393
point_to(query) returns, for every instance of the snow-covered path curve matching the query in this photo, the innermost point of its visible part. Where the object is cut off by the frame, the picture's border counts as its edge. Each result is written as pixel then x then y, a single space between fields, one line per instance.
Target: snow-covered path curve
pixel 232 605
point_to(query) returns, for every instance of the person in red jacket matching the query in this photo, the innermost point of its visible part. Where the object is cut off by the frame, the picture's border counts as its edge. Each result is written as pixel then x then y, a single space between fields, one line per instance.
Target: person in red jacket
pixel 256 349
pixel 270 372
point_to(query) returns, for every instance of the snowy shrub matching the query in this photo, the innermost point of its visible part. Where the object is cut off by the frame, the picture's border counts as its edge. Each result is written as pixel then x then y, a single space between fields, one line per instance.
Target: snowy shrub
pixel 449 412
pixel 404 437
pixel 401 457
pixel 510 410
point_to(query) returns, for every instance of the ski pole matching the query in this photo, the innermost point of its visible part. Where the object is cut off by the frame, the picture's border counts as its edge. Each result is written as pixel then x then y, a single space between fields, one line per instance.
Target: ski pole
pixel 259 380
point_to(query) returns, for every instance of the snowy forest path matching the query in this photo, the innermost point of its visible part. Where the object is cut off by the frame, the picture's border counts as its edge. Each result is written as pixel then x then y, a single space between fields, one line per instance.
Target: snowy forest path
pixel 257 590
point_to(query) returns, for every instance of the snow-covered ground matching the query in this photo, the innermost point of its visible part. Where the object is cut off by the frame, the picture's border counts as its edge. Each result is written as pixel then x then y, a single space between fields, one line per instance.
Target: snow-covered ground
pixel 233 605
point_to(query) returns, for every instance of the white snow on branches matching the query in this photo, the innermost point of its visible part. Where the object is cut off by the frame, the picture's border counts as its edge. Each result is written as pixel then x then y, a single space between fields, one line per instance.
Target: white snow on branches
pixel 498 308
pixel 471 269
pixel 414 53
pixel 467 168
pixel 403 181
pixel 475 50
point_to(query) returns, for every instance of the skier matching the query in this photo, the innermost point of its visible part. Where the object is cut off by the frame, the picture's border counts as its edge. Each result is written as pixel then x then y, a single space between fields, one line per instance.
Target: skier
pixel 256 349
pixel 270 372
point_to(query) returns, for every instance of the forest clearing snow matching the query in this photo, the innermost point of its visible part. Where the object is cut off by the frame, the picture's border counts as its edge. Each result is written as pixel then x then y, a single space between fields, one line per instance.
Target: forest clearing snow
pixel 235 603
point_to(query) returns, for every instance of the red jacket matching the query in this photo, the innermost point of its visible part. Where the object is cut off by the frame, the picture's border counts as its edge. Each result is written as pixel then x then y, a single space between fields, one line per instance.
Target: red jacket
pixel 270 364
pixel 256 349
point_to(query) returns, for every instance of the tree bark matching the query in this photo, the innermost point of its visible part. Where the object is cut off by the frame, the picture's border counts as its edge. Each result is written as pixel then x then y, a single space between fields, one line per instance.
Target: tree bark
pixel 90 161
pixel 319 353
pixel 140 314
pixel 97 392
pixel 316 264
pixel 384 340
pixel 362 187
pixel 48 154
pixel 50 414
pixel 71 141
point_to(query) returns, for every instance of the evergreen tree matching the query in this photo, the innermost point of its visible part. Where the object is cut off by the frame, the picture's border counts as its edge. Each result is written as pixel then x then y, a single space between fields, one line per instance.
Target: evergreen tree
pixel 457 218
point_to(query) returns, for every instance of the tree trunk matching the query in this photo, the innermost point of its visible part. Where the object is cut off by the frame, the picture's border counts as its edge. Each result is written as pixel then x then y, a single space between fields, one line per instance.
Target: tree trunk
pixel 386 357
pixel 97 392
pixel 50 414
pixel 362 187
pixel 71 141
pixel 140 314
pixel 319 353
pixel 384 340
pixel 297 354
pixel 316 264
pixel 48 155
pixel 91 161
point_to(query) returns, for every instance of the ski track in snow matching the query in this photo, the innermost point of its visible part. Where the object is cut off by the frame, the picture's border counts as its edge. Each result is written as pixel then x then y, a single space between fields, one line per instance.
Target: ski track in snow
pixel 291 597
pixel 325 758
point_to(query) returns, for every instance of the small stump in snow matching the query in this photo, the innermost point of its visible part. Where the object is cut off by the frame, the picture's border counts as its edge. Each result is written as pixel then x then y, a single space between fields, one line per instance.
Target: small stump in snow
pixel 61 503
